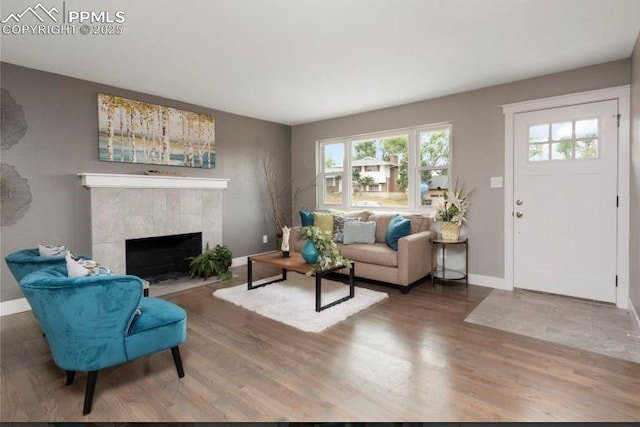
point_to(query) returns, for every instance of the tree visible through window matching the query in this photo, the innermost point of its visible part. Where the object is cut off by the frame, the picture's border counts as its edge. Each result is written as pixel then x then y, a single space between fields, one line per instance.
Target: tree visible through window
pixel 383 173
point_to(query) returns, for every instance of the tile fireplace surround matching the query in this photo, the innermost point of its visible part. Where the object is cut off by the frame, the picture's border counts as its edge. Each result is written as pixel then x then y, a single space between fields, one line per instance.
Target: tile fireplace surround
pixel 137 206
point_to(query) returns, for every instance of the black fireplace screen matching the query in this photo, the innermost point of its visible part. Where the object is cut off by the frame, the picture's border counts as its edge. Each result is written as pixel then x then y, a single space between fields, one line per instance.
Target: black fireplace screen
pixel 163 258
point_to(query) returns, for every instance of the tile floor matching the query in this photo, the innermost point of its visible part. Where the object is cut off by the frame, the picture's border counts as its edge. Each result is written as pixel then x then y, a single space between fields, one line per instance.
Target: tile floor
pixel 598 327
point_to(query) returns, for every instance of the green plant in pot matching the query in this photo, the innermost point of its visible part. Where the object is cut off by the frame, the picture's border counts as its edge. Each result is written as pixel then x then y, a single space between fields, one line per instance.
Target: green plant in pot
pixel 212 261
pixel 327 250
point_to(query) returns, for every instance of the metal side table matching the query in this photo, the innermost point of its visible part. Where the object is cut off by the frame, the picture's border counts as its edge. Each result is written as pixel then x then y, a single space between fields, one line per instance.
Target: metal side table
pixel 445 275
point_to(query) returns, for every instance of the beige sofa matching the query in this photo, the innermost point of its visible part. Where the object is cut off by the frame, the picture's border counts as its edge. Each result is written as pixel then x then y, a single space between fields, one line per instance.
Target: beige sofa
pixel 406 266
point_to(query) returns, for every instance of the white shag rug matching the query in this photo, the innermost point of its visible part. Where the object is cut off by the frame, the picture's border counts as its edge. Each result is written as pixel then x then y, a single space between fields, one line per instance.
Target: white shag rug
pixel 293 301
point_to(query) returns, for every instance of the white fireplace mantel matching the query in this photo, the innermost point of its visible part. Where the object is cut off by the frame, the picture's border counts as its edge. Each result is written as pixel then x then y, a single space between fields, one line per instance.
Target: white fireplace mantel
pixel 111 180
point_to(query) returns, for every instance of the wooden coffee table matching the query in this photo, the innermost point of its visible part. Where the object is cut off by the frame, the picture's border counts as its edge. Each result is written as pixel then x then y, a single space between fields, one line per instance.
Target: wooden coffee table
pixel 296 263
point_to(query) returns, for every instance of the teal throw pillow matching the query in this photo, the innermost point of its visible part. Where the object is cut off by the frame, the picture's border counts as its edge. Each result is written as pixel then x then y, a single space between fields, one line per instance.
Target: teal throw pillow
pixel 359 232
pixel 306 218
pixel 399 227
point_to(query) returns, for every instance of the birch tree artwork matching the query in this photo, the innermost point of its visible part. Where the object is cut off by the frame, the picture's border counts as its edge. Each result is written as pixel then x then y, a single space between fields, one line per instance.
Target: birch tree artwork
pixel 138 132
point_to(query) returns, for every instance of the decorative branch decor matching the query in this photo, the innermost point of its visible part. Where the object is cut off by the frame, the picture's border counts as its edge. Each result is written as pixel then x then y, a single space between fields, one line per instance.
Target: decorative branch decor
pixel 138 132
pixel 14 125
pixel 15 194
pixel 274 192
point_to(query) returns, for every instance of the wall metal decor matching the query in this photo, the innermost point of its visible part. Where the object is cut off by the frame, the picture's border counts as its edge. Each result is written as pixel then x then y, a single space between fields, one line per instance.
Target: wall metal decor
pixel 14 125
pixel 15 194
pixel 138 132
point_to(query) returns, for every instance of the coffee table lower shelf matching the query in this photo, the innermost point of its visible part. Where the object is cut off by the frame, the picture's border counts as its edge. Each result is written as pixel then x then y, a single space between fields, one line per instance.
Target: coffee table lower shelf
pixel 296 263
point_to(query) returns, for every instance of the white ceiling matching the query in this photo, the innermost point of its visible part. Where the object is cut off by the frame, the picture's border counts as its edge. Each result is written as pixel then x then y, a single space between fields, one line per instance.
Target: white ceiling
pixel 297 61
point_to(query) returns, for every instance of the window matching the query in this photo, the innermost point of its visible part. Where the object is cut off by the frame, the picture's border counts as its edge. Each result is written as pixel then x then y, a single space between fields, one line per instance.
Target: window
pixel 397 169
pixel 433 167
pixel 331 173
pixel 569 140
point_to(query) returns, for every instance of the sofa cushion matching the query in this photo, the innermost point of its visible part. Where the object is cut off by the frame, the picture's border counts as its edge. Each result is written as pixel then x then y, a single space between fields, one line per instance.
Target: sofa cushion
pixel 360 215
pixel 382 220
pixel 419 222
pixel 338 227
pixel 306 218
pixel 324 221
pixel 359 232
pixel 375 253
pixel 399 227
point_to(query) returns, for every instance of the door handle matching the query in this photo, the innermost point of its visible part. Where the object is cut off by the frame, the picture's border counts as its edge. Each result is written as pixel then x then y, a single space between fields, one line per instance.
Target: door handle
pixel 519 214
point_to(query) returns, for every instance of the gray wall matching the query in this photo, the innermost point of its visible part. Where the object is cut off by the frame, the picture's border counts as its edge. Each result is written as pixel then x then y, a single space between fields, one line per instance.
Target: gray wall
pixel 61 141
pixel 634 262
pixel 478 144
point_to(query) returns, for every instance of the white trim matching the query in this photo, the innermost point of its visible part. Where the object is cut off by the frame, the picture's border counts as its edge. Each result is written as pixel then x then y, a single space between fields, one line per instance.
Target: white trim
pixel 567 100
pixel 239 261
pixel 110 180
pixel 508 200
pixel 624 194
pixel 487 281
pixel 14 306
pixel 242 260
pixel 622 95
pixel 633 311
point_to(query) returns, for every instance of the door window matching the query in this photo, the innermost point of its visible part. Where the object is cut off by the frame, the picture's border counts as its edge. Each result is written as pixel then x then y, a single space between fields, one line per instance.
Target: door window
pixel 567 140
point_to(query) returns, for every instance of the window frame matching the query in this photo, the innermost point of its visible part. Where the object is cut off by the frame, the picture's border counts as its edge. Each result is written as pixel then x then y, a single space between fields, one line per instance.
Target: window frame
pixel 413 192
pixel 419 169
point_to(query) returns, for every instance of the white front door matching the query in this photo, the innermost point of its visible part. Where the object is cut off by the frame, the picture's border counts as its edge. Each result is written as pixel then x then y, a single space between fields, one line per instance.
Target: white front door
pixel 565 200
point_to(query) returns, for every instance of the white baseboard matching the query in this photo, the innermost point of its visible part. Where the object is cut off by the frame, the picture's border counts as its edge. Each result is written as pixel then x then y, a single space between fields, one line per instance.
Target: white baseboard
pixel 633 311
pixel 242 260
pixel 487 281
pixel 14 306
pixel 236 262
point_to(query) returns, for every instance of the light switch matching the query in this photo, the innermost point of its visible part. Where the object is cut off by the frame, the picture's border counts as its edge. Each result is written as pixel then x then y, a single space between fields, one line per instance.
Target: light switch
pixel 496 182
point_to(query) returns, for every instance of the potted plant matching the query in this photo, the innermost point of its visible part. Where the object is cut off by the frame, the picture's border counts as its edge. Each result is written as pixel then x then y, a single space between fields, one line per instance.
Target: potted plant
pixel 452 212
pixel 222 260
pixel 326 251
pixel 212 261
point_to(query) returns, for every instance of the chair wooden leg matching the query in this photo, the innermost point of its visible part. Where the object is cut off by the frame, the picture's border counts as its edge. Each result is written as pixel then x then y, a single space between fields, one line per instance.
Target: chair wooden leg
pixel 175 351
pixel 70 376
pixel 88 395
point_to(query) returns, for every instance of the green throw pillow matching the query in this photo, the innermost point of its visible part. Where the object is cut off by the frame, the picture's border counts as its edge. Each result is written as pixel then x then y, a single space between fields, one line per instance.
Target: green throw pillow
pixel 324 221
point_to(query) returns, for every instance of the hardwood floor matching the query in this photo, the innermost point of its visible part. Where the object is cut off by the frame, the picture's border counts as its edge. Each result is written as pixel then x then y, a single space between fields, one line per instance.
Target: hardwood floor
pixel 408 358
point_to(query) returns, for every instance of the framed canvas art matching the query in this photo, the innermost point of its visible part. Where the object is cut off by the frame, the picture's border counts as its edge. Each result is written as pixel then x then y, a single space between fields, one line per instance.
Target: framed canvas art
pixel 139 132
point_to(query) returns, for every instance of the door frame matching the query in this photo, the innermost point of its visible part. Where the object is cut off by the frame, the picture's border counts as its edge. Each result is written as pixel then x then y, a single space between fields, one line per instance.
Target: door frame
pixel 622 95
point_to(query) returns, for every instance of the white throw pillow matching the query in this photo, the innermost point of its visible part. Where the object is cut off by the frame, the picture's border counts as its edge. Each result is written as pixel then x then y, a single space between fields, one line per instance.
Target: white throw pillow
pixel 359 232
pixel 50 250
pixel 75 268
pixel 84 267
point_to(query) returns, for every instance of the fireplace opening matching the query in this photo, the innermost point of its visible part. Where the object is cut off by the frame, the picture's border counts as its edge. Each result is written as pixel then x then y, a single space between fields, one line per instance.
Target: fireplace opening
pixel 163 258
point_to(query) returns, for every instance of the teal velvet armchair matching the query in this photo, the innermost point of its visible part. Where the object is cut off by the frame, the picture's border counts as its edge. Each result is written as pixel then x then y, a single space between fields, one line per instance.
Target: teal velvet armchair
pixel 27 261
pixel 93 322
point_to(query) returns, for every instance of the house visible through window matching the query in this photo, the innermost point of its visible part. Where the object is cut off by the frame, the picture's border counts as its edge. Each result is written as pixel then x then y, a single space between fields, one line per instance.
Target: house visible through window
pixel 397 169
